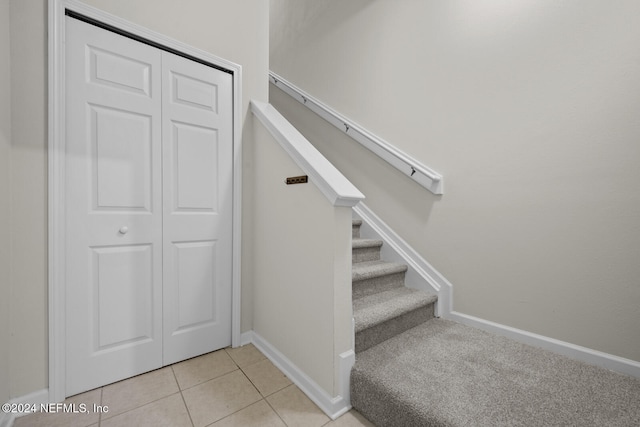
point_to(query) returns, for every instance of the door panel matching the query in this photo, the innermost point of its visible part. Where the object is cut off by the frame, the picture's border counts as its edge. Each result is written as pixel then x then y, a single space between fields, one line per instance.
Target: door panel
pixel 121 155
pixel 195 296
pixel 121 310
pixel 119 71
pixel 114 208
pixel 192 92
pixel 196 182
pixel 197 170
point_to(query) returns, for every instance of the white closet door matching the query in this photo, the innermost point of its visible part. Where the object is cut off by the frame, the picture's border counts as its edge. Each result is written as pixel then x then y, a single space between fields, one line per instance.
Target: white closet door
pixel 197 171
pixel 114 207
pixel 148 207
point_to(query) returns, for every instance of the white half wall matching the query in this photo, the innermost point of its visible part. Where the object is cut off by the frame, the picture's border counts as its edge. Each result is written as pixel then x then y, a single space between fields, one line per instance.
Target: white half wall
pixel 302 270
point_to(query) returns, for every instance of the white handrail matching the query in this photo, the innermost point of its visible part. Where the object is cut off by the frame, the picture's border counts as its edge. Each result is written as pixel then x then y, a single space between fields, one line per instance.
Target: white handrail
pixel 415 170
pixel 338 189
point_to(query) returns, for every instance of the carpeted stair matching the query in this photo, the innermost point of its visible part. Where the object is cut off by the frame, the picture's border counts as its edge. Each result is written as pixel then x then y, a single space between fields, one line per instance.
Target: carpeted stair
pixel 382 306
pixel 415 370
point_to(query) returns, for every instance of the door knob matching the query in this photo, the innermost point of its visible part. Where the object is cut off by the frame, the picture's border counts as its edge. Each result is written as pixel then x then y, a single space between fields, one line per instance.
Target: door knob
pixel 124 229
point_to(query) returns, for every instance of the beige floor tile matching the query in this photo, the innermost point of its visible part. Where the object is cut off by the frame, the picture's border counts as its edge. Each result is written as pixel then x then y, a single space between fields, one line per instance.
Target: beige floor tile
pixel 169 411
pixel 259 414
pixel 211 401
pixel 351 419
pixel 66 419
pixel 296 409
pixel 266 377
pixel 203 368
pixel 138 391
pixel 245 355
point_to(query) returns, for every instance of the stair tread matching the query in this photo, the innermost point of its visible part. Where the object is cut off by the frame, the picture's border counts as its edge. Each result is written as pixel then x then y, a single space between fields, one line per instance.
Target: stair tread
pixel 365 243
pixel 370 269
pixel 356 222
pixel 448 374
pixel 378 308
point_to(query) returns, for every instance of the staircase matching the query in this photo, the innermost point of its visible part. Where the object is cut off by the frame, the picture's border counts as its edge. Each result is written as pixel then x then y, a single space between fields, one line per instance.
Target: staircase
pixel 413 369
pixel 382 306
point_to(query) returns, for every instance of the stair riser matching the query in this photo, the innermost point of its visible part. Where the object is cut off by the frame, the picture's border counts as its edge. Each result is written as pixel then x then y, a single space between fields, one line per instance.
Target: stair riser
pixel 363 288
pixel 375 335
pixel 377 404
pixel 355 231
pixel 365 254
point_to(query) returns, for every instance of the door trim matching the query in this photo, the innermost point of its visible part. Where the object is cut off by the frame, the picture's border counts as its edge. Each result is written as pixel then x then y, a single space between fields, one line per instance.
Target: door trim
pixel 56 173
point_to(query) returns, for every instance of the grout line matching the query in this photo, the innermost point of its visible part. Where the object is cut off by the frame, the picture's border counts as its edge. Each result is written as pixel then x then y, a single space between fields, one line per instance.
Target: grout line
pixel 274 410
pixel 262 397
pixel 206 381
pixel 237 364
pixel 254 386
pixel 100 415
pixel 142 406
pixel 187 408
pixel 212 379
pixel 184 402
pixel 251 364
pixel 252 383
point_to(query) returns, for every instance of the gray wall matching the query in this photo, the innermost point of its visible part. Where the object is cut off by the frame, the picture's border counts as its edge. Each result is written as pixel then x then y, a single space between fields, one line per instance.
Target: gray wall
pixel 5 195
pixel 530 111
pixel 28 222
pixel 236 31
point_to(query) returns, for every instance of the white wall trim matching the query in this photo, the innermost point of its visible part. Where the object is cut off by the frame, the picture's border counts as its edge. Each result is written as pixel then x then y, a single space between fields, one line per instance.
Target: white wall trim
pixel 421 275
pixel 56 214
pixel 56 174
pixel 583 354
pixel 246 338
pixel 37 398
pixel 336 188
pixel 332 406
pixel 346 362
pixel 411 167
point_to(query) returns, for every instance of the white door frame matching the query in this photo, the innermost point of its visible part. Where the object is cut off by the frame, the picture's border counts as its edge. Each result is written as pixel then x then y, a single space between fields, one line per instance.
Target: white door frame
pixel 56 173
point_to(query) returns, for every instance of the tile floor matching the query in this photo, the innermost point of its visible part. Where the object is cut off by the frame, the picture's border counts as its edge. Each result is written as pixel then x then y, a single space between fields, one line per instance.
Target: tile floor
pixel 229 387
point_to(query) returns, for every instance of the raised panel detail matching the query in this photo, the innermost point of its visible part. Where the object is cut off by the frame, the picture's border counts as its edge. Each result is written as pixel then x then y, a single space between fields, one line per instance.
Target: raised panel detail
pixel 195 93
pixel 120 72
pixel 195 267
pixel 122 159
pixel 122 311
pixel 195 168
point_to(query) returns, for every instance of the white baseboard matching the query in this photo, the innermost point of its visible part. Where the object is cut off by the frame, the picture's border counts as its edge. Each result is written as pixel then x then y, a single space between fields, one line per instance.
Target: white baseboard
pixel 347 360
pixel 246 338
pixel 583 354
pixel 421 275
pixel 37 398
pixel 332 406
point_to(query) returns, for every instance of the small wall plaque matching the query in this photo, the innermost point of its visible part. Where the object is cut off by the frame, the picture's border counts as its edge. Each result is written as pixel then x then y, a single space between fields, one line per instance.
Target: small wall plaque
pixel 303 179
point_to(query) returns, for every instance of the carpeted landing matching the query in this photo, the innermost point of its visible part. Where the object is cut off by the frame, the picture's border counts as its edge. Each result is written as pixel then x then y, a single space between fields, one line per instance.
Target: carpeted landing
pixel 442 373
pixel 414 370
